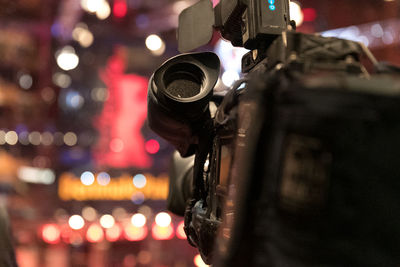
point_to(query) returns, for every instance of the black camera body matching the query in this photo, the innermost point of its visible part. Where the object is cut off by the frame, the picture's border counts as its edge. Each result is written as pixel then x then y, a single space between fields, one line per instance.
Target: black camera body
pixel 297 164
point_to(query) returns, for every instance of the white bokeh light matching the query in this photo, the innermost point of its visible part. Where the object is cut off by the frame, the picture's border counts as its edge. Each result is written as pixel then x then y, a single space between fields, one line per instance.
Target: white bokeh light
pixel 62 80
pixel 159 51
pixel 84 5
pixel 198 261
pixel 25 81
pixel 94 5
pixel 139 180
pixel 229 77
pixel 163 219
pixel 11 138
pixel 377 30
pixel 107 221
pixel 82 35
pixel 296 13
pixel 35 138
pixel 70 139
pixel 47 138
pixel 87 178
pixel 138 220
pixel 104 11
pixel 154 42
pixel 76 222
pixel 67 58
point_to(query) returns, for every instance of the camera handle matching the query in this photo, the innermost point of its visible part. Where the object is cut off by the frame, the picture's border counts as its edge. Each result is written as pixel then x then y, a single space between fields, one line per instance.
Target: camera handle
pixel 199 227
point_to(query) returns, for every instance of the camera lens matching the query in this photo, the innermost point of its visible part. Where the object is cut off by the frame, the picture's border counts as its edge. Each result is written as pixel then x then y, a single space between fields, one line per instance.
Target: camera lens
pixel 183 80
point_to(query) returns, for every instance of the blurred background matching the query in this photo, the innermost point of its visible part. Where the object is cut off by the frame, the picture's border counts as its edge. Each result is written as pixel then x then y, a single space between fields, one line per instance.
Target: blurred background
pixel 82 177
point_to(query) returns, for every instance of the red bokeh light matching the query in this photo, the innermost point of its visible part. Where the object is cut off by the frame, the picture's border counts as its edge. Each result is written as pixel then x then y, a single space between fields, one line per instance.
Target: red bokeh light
pixel 133 233
pixel 310 14
pixel 51 233
pixel 113 233
pixel 180 233
pixel 152 146
pixel 66 233
pixel 76 238
pixel 95 233
pixel 162 233
pixel 120 8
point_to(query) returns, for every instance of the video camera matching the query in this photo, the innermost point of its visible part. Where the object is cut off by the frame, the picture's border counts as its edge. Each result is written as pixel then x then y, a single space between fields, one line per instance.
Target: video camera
pixel 288 166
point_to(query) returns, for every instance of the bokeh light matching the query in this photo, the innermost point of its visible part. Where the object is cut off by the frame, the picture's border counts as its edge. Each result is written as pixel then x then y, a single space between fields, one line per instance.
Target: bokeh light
pixel 73 99
pixel 51 233
pixel 103 178
pixel 296 13
pixel 154 42
pixel 82 35
pixel 2 137
pixel 163 219
pixel 61 79
pixel 180 232
pixel 76 222
pixel 103 11
pixel 35 138
pixel 138 198
pixel 144 257
pixel 113 233
pixel 120 8
pixel 152 146
pixel 67 59
pixel 11 138
pixel 138 220
pixel 94 233
pixel 198 261
pixel 162 232
pixel 139 180
pixel 25 81
pixel 92 5
pixel 70 139
pixel 107 221
pixel 119 213
pixel 229 77
pixel 132 233
pixel 87 178
pixel 89 213
pixel 47 138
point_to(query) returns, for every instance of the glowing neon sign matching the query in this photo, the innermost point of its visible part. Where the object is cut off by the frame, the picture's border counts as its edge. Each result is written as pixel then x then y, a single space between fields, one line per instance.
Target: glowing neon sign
pixel 119 188
pixel 272 6
pixel 121 143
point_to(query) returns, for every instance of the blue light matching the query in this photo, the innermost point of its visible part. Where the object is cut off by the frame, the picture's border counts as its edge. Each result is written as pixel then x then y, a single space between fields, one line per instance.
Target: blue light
pixel 271 2
pixel 138 198
pixel 87 178
pixel 272 7
pixel 139 180
pixel 74 100
pixel 56 29
pixel 142 21
pixel 103 178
